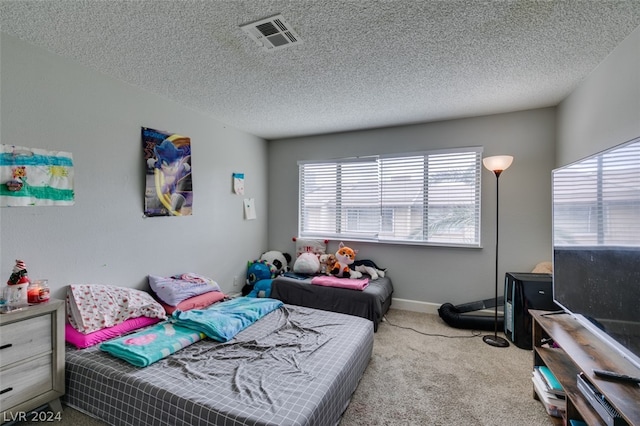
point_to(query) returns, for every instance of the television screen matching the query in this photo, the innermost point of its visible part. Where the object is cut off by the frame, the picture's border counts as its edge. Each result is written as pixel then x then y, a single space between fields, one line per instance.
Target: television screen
pixel 596 244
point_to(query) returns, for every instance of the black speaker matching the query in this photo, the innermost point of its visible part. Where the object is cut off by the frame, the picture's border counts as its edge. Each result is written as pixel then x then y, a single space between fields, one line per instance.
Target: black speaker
pixel 524 291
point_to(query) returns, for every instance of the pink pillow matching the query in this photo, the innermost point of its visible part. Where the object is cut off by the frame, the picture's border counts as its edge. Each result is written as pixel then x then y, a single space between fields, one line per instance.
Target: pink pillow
pixel 196 302
pixel 81 341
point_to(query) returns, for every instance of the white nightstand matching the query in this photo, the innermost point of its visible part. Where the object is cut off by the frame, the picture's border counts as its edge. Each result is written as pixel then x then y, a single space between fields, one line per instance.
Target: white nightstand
pixel 32 352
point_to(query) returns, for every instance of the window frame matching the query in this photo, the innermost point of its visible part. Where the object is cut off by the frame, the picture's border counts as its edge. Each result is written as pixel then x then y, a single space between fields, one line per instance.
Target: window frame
pixel 469 170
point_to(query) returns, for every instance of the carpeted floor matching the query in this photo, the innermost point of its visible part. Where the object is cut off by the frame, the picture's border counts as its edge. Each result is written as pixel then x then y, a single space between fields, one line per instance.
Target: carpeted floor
pixel 435 375
pixel 438 375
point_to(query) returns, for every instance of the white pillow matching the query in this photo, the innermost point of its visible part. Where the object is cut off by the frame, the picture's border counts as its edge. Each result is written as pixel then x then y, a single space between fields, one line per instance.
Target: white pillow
pixel 309 245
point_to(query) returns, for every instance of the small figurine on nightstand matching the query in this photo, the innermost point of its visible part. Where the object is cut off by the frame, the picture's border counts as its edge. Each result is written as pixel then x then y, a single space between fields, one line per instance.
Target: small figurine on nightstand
pixel 18 283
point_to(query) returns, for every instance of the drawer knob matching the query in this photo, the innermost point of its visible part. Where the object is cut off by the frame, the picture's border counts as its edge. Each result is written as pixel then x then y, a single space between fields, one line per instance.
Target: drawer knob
pixel 8 345
pixel 5 390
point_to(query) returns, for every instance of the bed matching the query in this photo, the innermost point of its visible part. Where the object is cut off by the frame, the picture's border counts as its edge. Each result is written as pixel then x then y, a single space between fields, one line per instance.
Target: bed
pixel 294 366
pixel 371 303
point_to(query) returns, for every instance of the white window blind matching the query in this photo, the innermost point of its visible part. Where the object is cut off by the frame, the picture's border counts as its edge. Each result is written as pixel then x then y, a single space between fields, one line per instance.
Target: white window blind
pixel 419 198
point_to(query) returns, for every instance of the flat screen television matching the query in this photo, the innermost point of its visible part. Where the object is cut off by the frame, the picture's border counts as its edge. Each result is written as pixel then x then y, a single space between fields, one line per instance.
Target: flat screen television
pixel 596 245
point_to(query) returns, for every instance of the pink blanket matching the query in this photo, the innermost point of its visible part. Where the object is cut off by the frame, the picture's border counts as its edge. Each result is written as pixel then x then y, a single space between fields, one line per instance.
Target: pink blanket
pixel 331 281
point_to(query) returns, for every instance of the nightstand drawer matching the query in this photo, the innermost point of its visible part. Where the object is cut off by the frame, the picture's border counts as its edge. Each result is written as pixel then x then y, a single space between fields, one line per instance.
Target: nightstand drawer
pixel 25 381
pixel 23 339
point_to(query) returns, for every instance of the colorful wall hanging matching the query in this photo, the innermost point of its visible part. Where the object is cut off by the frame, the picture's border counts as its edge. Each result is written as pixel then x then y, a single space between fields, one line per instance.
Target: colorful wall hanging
pixel 35 177
pixel 168 189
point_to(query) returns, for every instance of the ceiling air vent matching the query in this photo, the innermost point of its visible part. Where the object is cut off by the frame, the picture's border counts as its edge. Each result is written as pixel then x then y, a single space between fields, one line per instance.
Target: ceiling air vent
pixel 272 33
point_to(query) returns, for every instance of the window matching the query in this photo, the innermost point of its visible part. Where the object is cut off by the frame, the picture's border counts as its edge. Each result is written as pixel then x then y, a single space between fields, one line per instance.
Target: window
pixel 421 198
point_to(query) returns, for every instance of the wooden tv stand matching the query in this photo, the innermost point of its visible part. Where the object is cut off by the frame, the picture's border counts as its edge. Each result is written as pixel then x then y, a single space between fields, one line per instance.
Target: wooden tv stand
pixel 580 351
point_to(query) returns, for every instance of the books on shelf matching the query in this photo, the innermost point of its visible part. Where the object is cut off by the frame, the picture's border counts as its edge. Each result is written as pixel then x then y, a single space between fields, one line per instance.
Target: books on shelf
pixel 551 394
pixel 553 399
pixel 554 407
pixel 549 381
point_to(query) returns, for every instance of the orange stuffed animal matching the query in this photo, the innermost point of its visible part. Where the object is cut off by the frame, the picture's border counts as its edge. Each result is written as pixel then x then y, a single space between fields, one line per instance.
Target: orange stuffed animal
pixel 345 257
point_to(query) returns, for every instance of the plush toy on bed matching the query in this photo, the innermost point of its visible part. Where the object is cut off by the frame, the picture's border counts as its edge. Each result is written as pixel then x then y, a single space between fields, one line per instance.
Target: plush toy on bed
pixel 259 276
pixel 326 263
pixel 278 259
pixel 367 266
pixel 345 256
pixel 307 263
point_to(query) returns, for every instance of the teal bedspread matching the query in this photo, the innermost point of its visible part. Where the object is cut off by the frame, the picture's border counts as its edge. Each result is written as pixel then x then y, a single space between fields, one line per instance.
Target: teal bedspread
pixel 152 344
pixel 223 321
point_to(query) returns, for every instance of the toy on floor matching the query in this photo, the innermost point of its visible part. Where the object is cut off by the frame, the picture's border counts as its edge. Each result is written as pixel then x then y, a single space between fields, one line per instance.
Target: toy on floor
pixel 345 256
pixel 260 274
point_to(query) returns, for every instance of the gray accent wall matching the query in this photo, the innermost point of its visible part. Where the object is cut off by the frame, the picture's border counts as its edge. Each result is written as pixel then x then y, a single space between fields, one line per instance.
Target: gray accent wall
pixel 437 274
pixel 49 102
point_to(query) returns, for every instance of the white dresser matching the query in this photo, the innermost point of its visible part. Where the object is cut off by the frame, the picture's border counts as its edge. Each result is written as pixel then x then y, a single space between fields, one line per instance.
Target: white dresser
pixel 32 352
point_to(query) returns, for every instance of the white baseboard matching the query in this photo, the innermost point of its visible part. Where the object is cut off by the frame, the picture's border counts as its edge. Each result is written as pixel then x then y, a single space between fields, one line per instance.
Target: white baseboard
pixel 415 306
pixel 425 307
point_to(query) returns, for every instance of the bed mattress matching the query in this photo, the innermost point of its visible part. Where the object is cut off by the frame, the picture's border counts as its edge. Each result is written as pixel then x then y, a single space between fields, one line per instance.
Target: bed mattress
pixel 371 303
pixel 295 366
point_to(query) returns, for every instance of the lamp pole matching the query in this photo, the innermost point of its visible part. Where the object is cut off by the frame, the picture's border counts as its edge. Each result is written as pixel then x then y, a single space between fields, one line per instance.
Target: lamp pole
pixel 497 165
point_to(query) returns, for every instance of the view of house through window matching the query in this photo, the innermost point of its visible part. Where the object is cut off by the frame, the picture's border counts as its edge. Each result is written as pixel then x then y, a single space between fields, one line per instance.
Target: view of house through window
pixel 419 198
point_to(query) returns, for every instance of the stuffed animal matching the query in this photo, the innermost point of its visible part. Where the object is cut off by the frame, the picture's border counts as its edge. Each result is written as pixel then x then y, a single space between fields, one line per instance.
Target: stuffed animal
pixel 367 266
pixel 326 263
pixel 261 288
pixel 278 259
pixel 345 257
pixel 259 271
pixel 307 263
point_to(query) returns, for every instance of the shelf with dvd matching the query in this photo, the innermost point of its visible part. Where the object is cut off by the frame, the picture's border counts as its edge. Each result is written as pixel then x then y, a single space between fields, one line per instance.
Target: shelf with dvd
pixel 564 347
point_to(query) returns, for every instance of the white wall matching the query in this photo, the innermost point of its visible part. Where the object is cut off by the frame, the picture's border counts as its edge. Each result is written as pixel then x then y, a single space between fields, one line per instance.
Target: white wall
pixel 49 102
pixel 605 109
pixel 435 274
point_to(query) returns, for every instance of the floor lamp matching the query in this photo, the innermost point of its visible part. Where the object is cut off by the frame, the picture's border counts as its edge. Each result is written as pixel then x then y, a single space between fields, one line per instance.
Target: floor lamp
pixel 497 165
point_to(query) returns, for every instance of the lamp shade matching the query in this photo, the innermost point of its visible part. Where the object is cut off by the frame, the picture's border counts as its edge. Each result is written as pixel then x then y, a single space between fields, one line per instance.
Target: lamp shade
pixel 497 163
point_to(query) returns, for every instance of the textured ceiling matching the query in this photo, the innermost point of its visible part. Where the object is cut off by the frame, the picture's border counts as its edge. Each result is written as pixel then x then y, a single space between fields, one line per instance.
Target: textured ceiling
pixel 362 64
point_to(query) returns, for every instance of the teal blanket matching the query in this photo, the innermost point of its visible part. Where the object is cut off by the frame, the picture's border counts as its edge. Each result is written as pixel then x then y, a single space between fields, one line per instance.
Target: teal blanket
pixel 223 321
pixel 152 344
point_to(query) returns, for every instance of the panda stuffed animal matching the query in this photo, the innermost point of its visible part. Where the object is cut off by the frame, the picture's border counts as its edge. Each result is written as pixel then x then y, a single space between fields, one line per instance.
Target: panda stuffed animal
pixel 278 259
